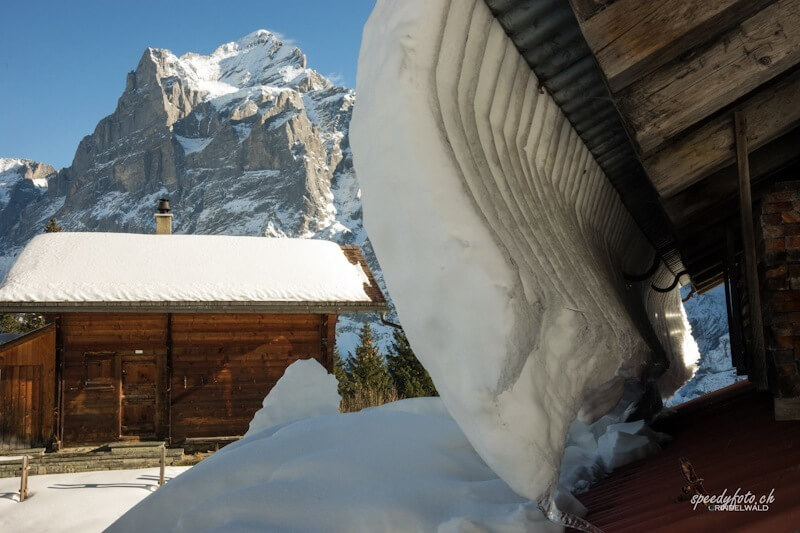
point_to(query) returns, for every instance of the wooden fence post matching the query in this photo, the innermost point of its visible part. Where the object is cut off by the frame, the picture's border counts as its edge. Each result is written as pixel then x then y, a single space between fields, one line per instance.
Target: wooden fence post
pixel 162 465
pixel 23 480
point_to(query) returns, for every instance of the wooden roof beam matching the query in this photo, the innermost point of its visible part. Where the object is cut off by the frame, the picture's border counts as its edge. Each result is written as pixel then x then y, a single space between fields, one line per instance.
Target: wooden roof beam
pixel 713 198
pixel 685 91
pixel 773 111
pixel 630 38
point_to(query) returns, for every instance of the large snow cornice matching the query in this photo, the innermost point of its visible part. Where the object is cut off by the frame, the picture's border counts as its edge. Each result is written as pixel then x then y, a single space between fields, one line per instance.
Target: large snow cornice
pixel 501 240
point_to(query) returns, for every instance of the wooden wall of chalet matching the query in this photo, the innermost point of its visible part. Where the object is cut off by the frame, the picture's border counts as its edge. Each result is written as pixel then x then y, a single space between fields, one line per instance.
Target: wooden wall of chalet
pixel 27 389
pixel 117 370
pixel 223 366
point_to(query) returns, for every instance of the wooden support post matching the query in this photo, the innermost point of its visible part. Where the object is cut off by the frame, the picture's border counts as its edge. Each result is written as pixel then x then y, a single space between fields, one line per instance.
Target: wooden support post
pixel 169 379
pixel 326 355
pixel 735 360
pixel 162 465
pixel 758 371
pixel 58 430
pixel 733 301
pixel 23 480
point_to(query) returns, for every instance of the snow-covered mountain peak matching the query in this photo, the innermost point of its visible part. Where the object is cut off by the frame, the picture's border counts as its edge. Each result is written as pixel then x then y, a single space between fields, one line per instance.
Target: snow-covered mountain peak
pixel 232 71
pixel 9 163
pixel 21 180
pixel 14 169
pixel 263 39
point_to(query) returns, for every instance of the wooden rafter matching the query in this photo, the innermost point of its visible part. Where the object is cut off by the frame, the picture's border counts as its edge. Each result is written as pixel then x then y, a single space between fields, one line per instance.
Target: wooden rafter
pixel 774 111
pixel 633 37
pixel 713 200
pixel 684 92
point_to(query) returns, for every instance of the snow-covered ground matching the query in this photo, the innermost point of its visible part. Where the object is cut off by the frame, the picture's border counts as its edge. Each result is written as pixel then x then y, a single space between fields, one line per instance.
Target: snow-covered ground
pixel 404 466
pixel 86 502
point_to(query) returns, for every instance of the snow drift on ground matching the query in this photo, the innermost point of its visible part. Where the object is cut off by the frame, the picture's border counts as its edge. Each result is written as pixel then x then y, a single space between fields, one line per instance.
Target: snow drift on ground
pixel 87 502
pixel 501 241
pixel 404 466
pixel 86 267
pixel 305 390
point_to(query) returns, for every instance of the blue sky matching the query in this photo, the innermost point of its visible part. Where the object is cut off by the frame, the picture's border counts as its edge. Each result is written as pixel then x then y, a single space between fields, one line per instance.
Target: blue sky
pixel 63 63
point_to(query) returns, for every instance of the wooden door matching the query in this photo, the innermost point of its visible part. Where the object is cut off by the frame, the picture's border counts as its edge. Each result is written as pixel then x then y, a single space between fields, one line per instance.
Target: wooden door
pixel 27 392
pixel 138 398
pixel 20 406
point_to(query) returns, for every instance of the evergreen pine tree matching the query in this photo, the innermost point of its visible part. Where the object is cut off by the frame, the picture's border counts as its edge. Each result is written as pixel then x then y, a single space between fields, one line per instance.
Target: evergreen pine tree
pixel 342 374
pixel 20 323
pixel 9 323
pixel 410 377
pixel 367 367
pixel 52 226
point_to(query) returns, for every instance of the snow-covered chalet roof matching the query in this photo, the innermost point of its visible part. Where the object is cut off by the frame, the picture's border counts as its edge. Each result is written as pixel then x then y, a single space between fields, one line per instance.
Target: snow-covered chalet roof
pixel 123 271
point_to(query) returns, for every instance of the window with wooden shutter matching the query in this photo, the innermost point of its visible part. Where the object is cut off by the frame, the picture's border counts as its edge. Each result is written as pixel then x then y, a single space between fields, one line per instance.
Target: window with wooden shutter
pixel 98 370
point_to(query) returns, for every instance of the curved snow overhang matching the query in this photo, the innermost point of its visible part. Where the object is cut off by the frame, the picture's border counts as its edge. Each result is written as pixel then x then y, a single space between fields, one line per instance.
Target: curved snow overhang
pixel 502 240
pixel 549 38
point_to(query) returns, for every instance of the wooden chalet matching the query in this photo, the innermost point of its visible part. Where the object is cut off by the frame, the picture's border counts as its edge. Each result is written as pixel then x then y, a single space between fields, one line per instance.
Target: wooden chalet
pixel 166 337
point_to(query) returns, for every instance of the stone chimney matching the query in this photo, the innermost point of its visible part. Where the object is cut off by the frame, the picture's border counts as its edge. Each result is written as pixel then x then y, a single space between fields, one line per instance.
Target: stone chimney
pixel 163 218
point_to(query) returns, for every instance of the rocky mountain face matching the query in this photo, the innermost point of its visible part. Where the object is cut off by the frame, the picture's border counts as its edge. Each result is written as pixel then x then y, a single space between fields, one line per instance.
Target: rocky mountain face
pixel 244 141
pixel 22 182
pixel 709 320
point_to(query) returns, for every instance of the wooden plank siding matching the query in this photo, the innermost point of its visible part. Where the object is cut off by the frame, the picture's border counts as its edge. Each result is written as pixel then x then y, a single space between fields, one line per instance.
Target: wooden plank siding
pixel 27 389
pixel 210 371
pixel 224 365
pixel 92 411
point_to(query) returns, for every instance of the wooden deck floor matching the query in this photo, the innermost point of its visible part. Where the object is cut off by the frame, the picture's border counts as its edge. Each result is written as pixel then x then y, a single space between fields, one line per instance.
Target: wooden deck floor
pixel 733 441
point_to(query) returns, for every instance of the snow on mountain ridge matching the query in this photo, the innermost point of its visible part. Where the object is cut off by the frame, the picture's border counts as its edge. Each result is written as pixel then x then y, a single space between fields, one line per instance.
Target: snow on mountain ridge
pixel 258 59
pixel 10 163
pixel 12 167
pixel 708 316
pixel 15 172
